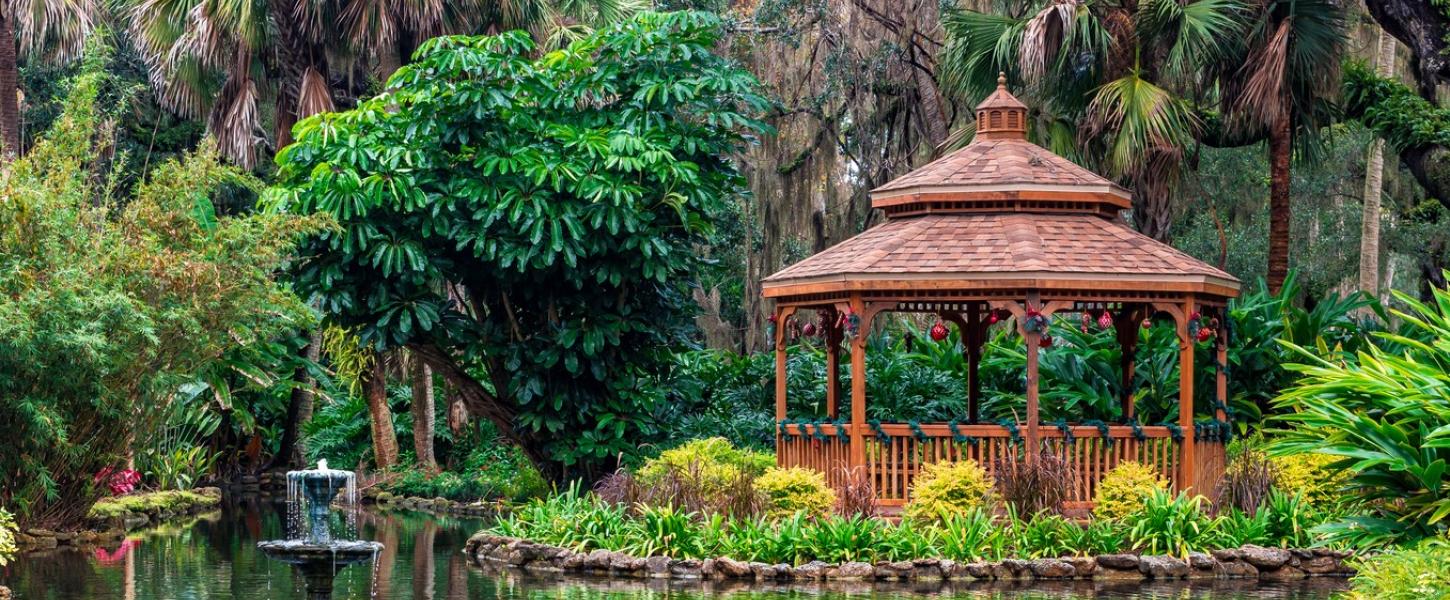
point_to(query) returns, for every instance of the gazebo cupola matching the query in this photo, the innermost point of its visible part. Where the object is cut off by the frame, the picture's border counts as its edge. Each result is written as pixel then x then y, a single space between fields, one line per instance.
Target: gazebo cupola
pixel 1000 230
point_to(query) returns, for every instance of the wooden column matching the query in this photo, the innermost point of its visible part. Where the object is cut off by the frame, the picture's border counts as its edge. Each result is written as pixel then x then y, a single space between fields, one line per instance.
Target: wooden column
pixel 1221 369
pixel 781 314
pixel 833 364
pixel 1033 339
pixel 1185 398
pixel 1126 326
pixel 858 384
pixel 974 337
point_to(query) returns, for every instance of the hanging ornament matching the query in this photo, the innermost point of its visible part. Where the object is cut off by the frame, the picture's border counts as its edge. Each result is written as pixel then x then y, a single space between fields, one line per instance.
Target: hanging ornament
pixel 1045 341
pixel 1087 322
pixel 792 329
pixel 1105 320
pixel 1194 327
pixel 1194 316
pixel 850 324
pixel 770 332
pixel 1035 321
pixel 938 332
pixel 1205 334
pixel 1148 323
pixel 809 330
pixel 992 318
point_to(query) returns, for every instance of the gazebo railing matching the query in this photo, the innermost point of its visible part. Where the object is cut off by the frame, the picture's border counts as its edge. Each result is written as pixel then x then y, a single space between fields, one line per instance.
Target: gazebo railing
pixel 895 452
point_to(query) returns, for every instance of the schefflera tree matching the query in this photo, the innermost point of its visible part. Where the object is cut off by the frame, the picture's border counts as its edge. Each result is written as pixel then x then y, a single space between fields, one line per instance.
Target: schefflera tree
pixel 529 224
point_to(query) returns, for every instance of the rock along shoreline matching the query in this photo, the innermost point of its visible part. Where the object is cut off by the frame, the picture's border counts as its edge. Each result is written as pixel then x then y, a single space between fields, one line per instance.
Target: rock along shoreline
pixel 1248 562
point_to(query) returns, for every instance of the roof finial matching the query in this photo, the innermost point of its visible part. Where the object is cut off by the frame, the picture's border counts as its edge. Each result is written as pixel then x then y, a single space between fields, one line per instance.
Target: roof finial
pixel 1001 80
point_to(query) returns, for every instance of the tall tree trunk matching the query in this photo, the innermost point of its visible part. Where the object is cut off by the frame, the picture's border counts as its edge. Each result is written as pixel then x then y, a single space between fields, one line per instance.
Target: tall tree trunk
pixel 296 56
pixel 9 85
pixel 380 417
pixel 292 451
pixel 1280 212
pixel 423 421
pixel 1369 239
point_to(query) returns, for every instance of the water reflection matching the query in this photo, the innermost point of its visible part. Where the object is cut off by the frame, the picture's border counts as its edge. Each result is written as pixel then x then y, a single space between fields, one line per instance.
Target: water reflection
pixel 215 557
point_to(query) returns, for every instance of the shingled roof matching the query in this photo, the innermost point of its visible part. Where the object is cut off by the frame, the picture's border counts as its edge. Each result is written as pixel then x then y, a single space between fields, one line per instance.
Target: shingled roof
pixel 1001 213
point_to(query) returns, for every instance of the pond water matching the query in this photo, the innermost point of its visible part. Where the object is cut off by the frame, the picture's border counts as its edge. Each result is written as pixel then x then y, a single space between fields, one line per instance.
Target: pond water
pixel 215 557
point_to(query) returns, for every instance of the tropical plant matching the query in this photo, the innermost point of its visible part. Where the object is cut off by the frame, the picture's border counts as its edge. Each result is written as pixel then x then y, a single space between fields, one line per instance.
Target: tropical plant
pixel 791 490
pixel 526 306
pixel 710 464
pixel 1386 417
pixel 211 59
pixel 973 535
pixel 1404 574
pixel 944 488
pixel 1036 486
pixel 7 536
pixel 1167 524
pixel 1124 488
pixel 853 538
pixel 138 298
pixel 43 30
pixel 1248 480
pixel 1311 476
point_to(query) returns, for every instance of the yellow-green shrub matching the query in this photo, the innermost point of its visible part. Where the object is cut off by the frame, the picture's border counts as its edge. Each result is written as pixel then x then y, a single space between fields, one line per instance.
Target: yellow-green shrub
pixel 795 489
pixel 1310 476
pixel 948 488
pixel 710 463
pixel 1124 488
pixel 7 537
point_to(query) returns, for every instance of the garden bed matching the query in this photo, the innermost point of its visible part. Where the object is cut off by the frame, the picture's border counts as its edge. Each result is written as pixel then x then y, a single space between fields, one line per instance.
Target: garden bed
pixel 111 518
pixel 1248 562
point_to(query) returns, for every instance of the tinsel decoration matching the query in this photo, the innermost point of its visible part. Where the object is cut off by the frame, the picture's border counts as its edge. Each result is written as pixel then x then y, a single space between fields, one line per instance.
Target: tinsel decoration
pixel 1035 322
pixel 850 324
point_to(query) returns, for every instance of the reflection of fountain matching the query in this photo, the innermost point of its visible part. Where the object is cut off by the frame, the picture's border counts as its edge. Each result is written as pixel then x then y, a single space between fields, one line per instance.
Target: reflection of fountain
pixel 315 554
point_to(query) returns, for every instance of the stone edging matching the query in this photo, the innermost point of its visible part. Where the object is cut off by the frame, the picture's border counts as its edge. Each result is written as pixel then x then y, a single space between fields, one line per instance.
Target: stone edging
pixel 99 532
pixel 1248 562
pixel 438 506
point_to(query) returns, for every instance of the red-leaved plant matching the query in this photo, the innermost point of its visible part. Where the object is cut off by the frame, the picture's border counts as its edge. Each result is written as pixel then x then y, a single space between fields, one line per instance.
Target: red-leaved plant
pixel 121 482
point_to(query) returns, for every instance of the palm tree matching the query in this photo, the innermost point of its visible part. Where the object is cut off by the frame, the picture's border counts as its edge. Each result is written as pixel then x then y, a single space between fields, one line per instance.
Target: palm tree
pixel 1114 84
pixel 219 58
pixel 50 30
pixel 1287 77
pixel 1374 166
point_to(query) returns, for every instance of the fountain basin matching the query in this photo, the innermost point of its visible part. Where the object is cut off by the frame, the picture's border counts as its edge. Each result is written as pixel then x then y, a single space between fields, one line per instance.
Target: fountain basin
pixel 299 552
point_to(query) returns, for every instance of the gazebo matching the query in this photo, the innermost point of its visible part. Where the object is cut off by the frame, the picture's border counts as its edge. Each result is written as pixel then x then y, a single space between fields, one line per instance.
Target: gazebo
pixel 1001 231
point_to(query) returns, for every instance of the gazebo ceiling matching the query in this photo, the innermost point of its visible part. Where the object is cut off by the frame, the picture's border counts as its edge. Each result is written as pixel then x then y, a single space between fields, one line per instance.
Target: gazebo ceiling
pixel 1001 214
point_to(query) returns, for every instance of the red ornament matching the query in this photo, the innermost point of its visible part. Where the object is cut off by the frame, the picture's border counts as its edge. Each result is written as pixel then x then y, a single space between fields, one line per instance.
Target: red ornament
pixel 992 318
pixel 1045 341
pixel 1205 334
pixel 1194 316
pixel 809 330
pixel 938 332
pixel 1087 321
pixel 1105 320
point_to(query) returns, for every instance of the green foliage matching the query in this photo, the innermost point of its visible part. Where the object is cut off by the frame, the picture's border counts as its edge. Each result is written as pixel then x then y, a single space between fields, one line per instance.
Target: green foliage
pixel 108 308
pixel 1393 110
pixel 710 464
pixel 1166 524
pixel 795 489
pixel 489 472
pixel 1124 488
pixel 1404 574
pixel 181 468
pixel 1310 476
pixel 1386 416
pixel 944 488
pixel 560 196
pixel 149 503
pixel 7 536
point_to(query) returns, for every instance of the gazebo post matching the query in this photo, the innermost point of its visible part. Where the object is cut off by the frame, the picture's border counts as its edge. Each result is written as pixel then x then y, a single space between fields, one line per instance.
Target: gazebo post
pixel 1127 330
pixel 1185 397
pixel 973 338
pixel 1033 339
pixel 833 363
pixel 781 314
pixel 1220 412
pixel 858 383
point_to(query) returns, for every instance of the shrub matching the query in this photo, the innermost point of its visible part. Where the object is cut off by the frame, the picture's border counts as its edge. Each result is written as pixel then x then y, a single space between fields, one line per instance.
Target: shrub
pixel 792 490
pixel 7 537
pixel 1248 480
pixel 1408 574
pixel 857 495
pixel 1169 524
pixel 711 464
pixel 945 488
pixel 1031 488
pixel 1311 476
pixel 1123 489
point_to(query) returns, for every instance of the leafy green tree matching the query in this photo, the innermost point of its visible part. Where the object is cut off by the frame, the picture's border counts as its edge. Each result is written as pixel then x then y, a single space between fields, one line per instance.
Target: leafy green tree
pixel 107 308
pixel 527 226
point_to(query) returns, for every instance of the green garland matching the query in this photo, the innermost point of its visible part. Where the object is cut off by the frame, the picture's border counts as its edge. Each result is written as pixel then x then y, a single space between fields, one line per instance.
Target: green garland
pixel 841 431
pixel 1062 426
pixel 1102 431
pixel 1012 429
pixel 916 431
pixel 958 437
pixel 880 433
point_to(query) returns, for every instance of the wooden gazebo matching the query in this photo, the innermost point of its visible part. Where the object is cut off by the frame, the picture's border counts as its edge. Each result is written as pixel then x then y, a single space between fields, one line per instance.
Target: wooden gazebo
pixel 1001 230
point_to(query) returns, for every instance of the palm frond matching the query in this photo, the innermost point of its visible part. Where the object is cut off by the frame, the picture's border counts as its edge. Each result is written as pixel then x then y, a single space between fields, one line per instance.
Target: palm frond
pixel 1043 38
pixel 234 118
pixel 1142 119
pixel 1198 32
pixel 979 45
pixel 54 31
pixel 313 94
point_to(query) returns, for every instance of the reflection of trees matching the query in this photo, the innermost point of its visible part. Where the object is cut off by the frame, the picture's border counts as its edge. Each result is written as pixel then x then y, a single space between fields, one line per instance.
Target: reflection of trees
pixel 457 577
pixel 423 570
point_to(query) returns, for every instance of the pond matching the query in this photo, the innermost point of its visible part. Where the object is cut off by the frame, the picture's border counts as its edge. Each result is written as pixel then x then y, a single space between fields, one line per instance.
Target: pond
pixel 215 557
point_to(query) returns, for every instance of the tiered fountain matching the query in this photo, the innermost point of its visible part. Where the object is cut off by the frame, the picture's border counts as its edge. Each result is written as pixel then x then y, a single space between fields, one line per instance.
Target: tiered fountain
pixel 313 552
